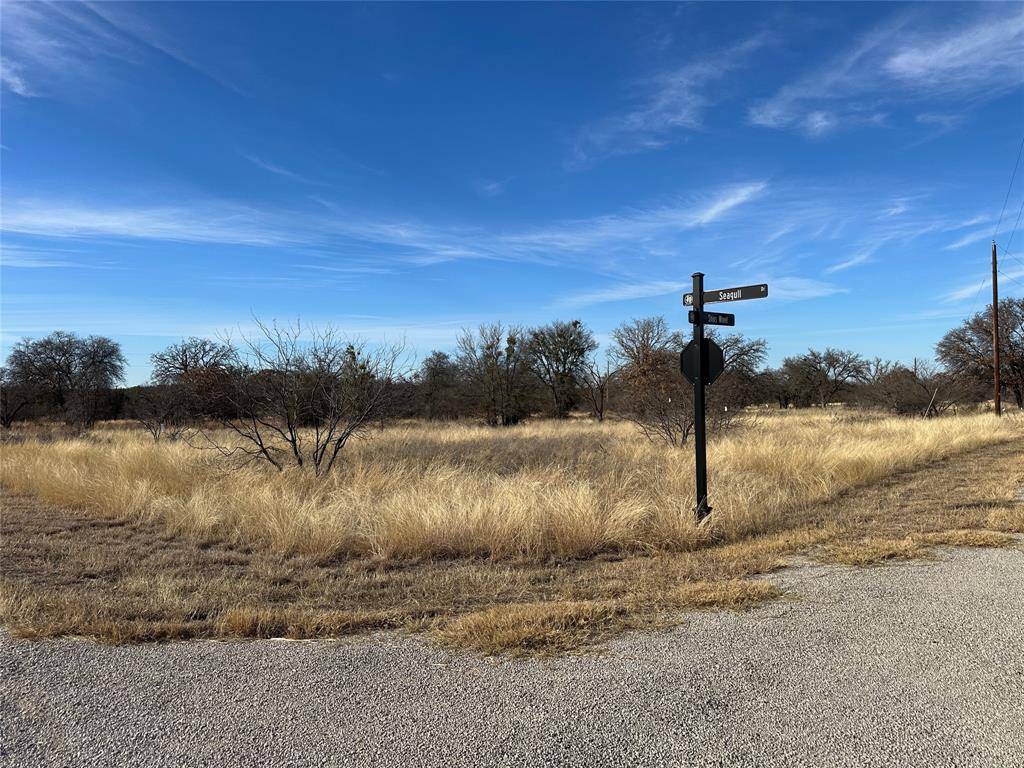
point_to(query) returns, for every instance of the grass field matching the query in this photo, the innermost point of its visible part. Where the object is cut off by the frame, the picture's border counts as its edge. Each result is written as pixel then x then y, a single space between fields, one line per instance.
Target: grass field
pixel 536 537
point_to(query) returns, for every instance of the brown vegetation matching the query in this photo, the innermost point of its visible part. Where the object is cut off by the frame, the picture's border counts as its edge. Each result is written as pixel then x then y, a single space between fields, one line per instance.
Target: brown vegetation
pixel 538 539
pixel 550 489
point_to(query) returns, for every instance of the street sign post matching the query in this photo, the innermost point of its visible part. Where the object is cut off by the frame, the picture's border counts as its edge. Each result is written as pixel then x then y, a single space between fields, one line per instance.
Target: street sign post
pixel 713 318
pixel 744 292
pixel 699 435
pixel 702 362
pixel 714 362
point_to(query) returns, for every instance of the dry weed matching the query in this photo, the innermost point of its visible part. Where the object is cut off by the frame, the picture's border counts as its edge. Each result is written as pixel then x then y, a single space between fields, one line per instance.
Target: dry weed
pixel 871 551
pixel 569 490
pixel 531 540
pixel 969 538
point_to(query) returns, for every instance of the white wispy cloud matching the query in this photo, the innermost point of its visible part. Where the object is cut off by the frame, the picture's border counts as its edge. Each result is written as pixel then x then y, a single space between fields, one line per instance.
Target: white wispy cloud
pixel 665 103
pixel 973 289
pixel 758 227
pixel 906 60
pixel 811 104
pixel 208 223
pixel 818 122
pixel 133 24
pixel 969 238
pixel 966 291
pixel 11 77
pixel 973 221
pixel 946 121
pixel 67 49
pixel 490 187
pixel 639 226
pixel 798 288
pixel 899 206
pixel 278 169
pixel 17 256
pixel 354 269
pixel 624 291
pixel 50 47
pixel 855 260
pixel 30 258
pixel 986 54
pixel 729 199
pixel 213 221
pixel 783 288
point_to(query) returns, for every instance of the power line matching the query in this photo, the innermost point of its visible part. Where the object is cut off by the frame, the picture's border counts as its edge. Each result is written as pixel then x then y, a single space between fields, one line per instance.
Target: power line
pixel 1011 278
pixel 1003 251
pixel 1014 230
pixel 1006 198
pixel 1009 188
pixel 977 293
pixel 997 388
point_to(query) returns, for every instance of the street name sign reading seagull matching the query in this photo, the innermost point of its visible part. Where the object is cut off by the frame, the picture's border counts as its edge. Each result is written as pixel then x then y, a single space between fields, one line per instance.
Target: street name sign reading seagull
pixel 744 292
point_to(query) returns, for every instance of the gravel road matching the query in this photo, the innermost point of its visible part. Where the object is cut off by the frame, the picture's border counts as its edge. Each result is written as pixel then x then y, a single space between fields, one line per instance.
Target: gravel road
pixel 914 664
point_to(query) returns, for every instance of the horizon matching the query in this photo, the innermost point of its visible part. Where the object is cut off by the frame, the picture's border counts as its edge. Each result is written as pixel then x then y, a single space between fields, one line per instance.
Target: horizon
pixel 405 171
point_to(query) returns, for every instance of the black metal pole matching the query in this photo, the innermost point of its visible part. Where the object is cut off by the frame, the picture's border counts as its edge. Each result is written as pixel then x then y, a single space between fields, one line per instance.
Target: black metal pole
pixel 702 509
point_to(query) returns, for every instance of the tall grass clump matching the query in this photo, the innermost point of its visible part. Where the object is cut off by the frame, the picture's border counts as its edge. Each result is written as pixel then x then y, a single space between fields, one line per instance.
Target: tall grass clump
pixel 540 490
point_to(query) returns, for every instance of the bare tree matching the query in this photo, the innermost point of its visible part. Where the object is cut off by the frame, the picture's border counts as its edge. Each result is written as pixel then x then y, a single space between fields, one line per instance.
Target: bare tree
pixel 596 382
pixel 891 386
pixel 189 381
pixel 494 361
pixel 181 362
pixel 299 396
pixel 438 384
pixel 967 349
pixel 162 409
pixel 74 373
pixel 557 354
pixel 821 376
pixel 658 399
pixel 947 390
pixel 741 381
pixel 16 397
pixel 639 344
pixel 920 388
pixel 771 385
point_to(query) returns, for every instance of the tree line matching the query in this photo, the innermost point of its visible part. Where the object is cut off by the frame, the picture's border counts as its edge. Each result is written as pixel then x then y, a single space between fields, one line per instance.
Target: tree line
pixel 295 396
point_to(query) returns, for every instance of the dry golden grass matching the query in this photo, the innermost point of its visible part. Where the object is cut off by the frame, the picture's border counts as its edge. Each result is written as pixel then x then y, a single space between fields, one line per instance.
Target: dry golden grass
pixel 535 627
pixel 534 539
pixel 968 538
pixel 67 572
pixel 299 624
pixel 874 550
pixel 871 551
pixel 540 490
pixel 546 627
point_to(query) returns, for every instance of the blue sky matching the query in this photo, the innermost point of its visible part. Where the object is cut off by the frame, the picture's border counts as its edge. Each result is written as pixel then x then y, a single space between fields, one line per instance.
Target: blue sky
pixel 403 171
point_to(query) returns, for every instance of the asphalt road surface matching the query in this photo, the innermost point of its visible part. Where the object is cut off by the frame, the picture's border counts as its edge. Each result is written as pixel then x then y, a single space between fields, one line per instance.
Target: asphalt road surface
pixel 916 664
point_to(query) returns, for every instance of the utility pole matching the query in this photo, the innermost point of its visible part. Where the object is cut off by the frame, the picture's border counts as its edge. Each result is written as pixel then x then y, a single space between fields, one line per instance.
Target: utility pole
pixel 699 425
pixel 995 330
